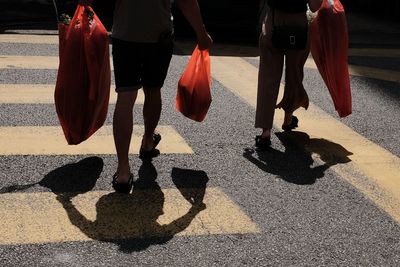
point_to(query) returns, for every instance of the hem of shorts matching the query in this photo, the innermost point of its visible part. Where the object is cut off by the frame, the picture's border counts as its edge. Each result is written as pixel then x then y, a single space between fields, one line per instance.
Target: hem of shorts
pixel 127 88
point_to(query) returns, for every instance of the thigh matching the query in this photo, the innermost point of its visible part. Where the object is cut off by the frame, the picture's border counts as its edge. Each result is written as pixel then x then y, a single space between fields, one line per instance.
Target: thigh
pixel 155 67
pixel 128 65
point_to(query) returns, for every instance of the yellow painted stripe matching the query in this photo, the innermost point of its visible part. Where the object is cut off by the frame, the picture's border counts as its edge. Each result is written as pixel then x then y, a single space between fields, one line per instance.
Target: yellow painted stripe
pixel 31 62
pixel 29 38
pixel 360 71
pixel 49 140
pixel 51 62
pixel 40 94
pixel 218 48
pixel 380 168
pixel 33 218
pixel 375 52
pixel 28 62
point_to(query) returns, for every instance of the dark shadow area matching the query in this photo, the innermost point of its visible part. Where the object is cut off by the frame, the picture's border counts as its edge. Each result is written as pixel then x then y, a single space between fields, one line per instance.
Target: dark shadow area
pixel 295 164
pixel 191 183
pixel 130 220
pixel 72 178
pixel 185 46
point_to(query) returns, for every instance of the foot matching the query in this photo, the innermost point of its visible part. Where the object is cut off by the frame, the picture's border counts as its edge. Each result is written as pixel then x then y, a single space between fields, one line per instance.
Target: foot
pixel 122 187
pixel 263 142
pixel 150 151
pixel 293 123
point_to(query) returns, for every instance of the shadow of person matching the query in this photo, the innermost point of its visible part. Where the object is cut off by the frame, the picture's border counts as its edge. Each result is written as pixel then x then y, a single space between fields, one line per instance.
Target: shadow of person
pixel 72 178
pixel 191 183
pixel 296 164
pixel 130 220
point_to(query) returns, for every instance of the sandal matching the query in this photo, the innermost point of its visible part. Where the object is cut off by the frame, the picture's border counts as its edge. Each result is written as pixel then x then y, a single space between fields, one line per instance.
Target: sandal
pixel 263 143
pixel 124 188
pixel 153 152
pixel 293 124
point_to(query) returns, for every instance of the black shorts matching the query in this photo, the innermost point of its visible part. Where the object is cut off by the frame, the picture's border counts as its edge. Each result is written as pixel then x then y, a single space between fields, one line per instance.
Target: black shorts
pixel 138 65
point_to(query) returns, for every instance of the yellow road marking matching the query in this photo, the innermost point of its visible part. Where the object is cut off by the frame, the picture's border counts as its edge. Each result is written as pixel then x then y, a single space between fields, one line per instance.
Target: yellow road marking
pixel 29 38
pixel 49 140
pixel 218 48
pixel 32 218
pixel 51 62
pixel 41 94
pixel 360 71
pixel 375 52
pixel 31 62
pixel 380 168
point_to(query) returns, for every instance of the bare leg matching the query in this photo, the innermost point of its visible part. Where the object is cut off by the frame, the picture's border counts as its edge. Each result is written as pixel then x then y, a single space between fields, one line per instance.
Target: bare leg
pixel 151 115
pixel 288 118
pixel 122 128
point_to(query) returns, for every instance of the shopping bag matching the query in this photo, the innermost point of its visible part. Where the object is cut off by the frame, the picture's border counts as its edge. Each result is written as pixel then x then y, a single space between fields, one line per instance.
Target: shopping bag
pixel 84 76
pixel 329 48
pixel 193 97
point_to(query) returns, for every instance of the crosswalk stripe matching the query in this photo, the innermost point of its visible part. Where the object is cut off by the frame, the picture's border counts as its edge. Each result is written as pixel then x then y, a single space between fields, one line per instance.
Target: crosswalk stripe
pixel 380 168
pixel 34 218
pixel 51 62
pixel 29 38
pixel 49 140
pixel 53 39
pixel 41 94
pixel 368 72
pixel 375 52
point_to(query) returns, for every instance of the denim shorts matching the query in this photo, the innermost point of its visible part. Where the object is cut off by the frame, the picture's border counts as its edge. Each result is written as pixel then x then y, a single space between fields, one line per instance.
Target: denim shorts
pixel 138 65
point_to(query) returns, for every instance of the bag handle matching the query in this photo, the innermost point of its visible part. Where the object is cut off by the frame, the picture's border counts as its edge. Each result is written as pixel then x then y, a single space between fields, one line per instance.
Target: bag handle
pixel 56 10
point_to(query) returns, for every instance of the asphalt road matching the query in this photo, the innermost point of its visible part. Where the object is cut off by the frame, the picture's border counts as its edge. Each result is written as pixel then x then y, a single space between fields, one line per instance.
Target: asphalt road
pixel 306 214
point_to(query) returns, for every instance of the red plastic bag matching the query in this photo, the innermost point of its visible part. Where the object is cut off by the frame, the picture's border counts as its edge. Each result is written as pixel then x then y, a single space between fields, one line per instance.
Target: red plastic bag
pixel 84 76
pixel 329 48
pixel 193 97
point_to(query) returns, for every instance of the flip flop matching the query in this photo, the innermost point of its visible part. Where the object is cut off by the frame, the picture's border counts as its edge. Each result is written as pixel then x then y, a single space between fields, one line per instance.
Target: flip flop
pixel 153 152
pixel 124 188
pixel 263 143
pixel 293 124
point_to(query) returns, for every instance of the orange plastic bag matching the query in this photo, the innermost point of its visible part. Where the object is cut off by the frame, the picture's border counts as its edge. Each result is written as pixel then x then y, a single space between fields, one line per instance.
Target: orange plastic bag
pixel 193 97
pixel 84 76
pixel 329 48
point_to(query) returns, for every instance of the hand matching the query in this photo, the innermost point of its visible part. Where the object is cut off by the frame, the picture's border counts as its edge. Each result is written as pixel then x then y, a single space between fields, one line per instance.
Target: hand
pixel 204 41
pixel 85 2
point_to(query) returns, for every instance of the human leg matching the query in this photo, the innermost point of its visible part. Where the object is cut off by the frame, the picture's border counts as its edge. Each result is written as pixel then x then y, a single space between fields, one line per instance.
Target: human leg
pixel 151 115
pixel 269 77
pixel 155 69
pixel 122 130
pixel 295 95
pixel 127 58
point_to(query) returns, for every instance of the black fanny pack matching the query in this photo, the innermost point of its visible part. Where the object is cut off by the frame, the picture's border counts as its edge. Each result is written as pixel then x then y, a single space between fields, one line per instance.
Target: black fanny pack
pixel 288 37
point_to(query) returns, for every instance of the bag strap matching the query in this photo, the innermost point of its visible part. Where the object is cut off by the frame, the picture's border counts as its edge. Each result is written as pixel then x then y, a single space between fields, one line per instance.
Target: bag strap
pixel 56 10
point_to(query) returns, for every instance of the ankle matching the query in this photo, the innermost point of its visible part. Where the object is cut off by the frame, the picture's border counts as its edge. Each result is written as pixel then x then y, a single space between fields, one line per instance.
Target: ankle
pixel 123 174
pixel 266 133
pixel 288 118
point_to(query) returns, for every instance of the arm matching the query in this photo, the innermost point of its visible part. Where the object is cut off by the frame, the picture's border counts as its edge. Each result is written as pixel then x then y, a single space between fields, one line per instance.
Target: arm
pixel 314 5
pixel 191 10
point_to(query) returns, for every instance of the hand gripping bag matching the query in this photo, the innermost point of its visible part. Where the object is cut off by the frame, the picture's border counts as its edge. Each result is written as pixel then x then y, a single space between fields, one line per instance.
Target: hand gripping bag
pixel 193 97
pixel 329 48
pixel 84 76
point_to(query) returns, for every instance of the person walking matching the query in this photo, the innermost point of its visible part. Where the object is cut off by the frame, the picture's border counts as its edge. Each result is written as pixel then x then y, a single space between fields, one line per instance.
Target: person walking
pixel 276 48
pixel 142 46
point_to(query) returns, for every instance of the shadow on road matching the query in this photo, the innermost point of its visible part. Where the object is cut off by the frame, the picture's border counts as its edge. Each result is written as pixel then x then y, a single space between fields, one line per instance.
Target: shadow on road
pixel 295 164
pixel 72 178
pixel 130 220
